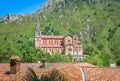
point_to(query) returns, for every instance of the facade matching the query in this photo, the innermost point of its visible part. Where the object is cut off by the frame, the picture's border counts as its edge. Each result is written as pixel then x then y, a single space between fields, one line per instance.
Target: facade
pixel 63 44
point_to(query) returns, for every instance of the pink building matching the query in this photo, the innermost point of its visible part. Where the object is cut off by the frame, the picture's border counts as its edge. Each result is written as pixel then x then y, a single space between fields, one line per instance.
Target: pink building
pixel 63 44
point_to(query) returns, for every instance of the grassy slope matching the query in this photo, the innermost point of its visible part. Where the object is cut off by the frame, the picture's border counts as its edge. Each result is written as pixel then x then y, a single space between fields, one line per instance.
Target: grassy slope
pixel 12 31
pixel 14 35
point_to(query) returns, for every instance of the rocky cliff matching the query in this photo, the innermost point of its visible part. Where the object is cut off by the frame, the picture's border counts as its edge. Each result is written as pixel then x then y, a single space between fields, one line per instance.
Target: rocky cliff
pixel 10 18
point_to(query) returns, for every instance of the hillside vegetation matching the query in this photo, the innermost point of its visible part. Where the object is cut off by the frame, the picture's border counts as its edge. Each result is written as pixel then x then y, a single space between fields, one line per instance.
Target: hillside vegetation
pixel 96 22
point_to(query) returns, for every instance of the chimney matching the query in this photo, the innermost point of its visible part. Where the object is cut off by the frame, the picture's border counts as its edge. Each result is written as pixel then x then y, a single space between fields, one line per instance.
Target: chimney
pixel 44 63
pixel 14 64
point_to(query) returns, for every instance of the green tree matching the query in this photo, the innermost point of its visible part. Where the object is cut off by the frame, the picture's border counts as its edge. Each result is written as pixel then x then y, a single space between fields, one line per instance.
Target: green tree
pixel 94 57
pixel 54 75
pixel 56 57
pixel 31 76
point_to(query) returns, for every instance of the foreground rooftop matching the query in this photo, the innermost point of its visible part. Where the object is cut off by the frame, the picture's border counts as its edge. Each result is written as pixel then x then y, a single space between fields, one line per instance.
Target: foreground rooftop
pixel 71 70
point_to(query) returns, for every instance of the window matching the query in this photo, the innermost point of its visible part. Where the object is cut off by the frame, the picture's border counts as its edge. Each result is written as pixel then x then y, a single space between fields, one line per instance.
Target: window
pixel 55 41
pixel 37 39
pixel 68 40
pixel 69 50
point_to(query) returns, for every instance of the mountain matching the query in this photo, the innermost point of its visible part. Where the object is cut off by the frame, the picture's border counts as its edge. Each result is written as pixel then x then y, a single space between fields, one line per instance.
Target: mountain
pixel 10 18
pixel 96 22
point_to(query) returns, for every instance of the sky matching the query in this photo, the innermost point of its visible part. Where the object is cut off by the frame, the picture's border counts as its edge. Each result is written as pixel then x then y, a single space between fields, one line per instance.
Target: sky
pixel 19 6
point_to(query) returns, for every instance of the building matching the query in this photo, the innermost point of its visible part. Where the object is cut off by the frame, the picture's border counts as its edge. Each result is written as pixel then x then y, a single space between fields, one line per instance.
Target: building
pixel 63 44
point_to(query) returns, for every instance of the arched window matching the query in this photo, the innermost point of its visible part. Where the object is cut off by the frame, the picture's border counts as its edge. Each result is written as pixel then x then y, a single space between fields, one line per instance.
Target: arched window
pixel 69 50
pixel 37 39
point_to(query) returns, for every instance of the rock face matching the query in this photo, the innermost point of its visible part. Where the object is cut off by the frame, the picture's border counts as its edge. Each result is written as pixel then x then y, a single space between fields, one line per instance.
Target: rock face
pixel 10 18
pixel 47 7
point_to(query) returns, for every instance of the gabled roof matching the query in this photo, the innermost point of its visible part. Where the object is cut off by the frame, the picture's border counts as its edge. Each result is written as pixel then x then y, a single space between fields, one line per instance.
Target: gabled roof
pixel 68 35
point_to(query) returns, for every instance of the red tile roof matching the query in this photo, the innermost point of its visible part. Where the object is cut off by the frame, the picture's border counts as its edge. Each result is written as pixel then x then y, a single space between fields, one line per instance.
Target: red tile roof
pixel 46 36
pixel 15 57
pixel 92 73
pixel 5 69
pixel 102 73
pixel 70 70
pixel 79 42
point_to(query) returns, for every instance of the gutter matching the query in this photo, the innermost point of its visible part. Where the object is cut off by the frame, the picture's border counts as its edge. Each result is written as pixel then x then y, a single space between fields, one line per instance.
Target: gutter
pixel 83 74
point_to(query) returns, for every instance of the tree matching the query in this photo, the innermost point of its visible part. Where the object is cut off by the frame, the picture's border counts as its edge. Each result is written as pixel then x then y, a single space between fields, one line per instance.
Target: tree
pixel 53 75
pixel 31 76
pixel 56 57
pixel 94 57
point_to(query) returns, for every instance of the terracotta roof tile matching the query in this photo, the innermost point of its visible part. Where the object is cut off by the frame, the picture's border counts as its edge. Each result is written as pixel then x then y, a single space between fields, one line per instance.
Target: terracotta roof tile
pixel 70 70
pixel 15 58
pixel 46 36
pixel 102 73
